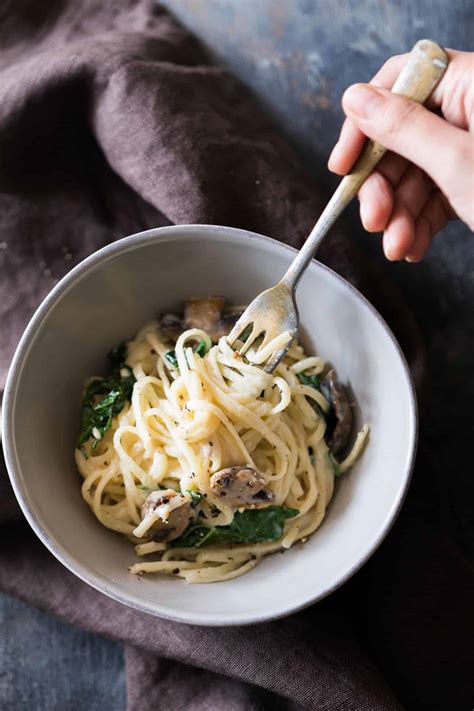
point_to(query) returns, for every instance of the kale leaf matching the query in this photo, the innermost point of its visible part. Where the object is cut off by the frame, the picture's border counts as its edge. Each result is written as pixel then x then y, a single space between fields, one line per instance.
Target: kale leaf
pixel 196 497
pixel 106 397
pixel 171 358
pixel 313 381
pixel 117 356
pixel 201 350
pixel 249 526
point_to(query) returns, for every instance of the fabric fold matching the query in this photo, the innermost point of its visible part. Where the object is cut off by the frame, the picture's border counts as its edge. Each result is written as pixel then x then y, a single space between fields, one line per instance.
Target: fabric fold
pixel 311 658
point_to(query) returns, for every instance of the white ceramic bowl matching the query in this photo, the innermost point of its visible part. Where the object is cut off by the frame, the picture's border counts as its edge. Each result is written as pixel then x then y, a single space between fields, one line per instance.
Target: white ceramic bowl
pixel 103 301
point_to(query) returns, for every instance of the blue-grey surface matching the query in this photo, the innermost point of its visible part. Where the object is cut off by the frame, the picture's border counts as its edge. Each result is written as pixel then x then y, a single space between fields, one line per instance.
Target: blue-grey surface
pixel 297 56
pixel 48 666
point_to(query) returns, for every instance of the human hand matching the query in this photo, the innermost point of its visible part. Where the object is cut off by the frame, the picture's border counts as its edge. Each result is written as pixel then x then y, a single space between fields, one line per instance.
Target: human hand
pixel 427 178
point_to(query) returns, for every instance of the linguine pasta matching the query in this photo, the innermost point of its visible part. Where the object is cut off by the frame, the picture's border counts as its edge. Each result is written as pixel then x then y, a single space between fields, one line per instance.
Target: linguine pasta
pixel 194 414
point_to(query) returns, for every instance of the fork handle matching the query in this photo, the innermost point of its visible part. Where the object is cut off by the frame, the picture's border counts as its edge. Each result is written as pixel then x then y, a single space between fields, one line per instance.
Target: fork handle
pixel 426 65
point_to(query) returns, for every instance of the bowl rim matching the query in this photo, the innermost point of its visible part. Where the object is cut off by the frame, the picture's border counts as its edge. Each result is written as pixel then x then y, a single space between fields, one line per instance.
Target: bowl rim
pixel 95 580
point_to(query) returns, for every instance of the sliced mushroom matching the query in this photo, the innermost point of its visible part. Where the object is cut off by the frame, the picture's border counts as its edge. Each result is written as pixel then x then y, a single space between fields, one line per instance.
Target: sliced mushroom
pixel 177 521
pixel 207 313
pixel 241 486
pixel 171 326
pixel 340 399
pixel 204 313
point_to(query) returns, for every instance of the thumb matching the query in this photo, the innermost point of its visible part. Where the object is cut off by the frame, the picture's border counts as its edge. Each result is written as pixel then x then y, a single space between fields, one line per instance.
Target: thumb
pixel 407 128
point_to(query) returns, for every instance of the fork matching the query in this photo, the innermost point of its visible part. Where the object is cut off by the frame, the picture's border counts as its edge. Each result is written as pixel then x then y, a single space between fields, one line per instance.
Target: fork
pixel 273 315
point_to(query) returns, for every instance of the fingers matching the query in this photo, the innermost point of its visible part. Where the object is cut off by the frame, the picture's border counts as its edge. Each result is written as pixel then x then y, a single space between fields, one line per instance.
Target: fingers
pixel 435 215
pixel 351 139
pixel 448 95
pixel 399 235
pixel 392 167
pixel 414 190
pixel 410 230
pixel 444 152
pixel 400 238
pixel 399 198
pixel 387 74
pixel 347 149
pixel 459 72
pixel 377 193
pixel 452 91
pixel 397 211
pixel 376 202
pixel 422 241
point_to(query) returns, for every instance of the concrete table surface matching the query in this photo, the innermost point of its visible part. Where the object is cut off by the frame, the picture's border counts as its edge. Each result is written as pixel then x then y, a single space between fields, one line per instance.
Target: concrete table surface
pixel 297 57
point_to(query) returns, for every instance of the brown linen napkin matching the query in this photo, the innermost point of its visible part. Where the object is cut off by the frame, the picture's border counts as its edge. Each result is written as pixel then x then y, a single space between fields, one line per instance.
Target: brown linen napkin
pixel 112 121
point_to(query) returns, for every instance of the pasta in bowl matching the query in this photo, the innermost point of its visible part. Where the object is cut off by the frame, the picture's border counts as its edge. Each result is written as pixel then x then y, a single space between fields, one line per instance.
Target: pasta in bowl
pixel 104 300
pixel 203 460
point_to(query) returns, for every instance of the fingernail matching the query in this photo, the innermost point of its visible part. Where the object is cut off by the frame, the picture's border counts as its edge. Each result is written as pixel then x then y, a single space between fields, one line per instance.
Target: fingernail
pixel 361 100
pixel 389 248
pixel 332 156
